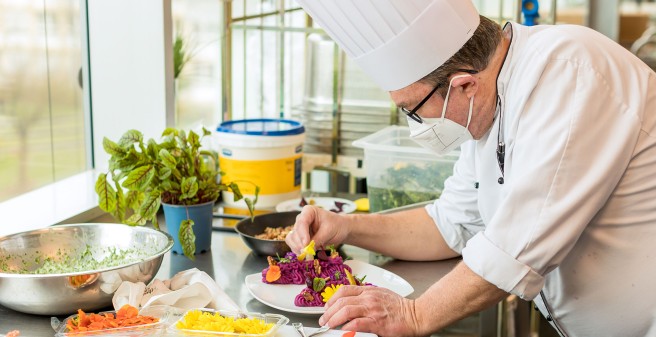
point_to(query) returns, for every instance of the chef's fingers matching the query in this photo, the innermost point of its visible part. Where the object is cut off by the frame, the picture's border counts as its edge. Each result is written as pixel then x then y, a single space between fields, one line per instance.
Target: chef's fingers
pixel 343 292
pixel 344 296
pixel 301 236
pixel 347 309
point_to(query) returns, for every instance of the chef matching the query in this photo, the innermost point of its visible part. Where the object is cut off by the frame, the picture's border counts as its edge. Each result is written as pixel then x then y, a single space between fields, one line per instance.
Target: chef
pixel 553 198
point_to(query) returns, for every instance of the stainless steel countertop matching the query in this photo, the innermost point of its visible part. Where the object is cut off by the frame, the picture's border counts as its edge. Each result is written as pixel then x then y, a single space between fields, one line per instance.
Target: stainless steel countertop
pixel 230 261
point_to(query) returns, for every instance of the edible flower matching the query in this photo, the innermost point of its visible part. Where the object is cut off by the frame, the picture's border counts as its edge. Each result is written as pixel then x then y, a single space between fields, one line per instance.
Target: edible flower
pixel 349 334
pixel 308 250
pixel 273 274
pixel 350 278
pixel 329 291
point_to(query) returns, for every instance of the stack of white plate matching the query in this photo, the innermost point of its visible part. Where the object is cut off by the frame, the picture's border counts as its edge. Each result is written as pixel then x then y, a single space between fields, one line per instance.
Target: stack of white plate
pixel 365 108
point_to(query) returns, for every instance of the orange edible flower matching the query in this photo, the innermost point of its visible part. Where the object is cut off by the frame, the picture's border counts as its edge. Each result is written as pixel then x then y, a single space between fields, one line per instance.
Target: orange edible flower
pixel 125 317
pixel 349 334
pixel 273 274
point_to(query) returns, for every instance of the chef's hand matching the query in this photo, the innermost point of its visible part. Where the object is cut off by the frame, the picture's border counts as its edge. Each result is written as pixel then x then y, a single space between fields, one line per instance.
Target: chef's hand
pixel 314 223
pixel 371 309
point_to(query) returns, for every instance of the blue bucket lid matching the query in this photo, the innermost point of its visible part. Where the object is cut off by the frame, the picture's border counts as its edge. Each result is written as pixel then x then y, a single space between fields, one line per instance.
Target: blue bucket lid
pixel 262 127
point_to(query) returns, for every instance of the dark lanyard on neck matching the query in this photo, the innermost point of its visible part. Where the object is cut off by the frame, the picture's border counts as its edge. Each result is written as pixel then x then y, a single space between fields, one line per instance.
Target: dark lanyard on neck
pixel 501 146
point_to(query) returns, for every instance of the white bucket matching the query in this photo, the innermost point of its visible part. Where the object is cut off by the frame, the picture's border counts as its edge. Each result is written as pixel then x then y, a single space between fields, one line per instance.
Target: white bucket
pixel 263 152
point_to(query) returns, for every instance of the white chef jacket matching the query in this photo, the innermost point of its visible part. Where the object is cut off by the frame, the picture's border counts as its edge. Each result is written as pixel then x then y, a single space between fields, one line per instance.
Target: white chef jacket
pixel 576 215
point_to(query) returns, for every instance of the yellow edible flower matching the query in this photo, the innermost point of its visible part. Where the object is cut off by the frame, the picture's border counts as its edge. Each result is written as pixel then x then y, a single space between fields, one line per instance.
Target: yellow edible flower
pixel 308 250
pixel 350 278
pixel 328 292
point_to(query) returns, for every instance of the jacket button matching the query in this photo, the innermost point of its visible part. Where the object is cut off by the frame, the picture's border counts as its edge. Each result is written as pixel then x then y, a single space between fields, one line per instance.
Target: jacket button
pixel 549 318
pixel 500 180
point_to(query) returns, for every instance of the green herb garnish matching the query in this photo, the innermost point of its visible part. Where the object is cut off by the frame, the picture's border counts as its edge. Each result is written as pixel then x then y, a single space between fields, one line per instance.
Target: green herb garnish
pixel 318 284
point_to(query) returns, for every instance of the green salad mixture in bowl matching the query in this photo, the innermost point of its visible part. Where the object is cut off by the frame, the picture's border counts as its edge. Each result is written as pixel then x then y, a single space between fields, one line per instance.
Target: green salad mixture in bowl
pixel 60 269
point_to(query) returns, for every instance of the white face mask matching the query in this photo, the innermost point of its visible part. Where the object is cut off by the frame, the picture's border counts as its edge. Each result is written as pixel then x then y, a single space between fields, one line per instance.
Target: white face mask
pixel 441 135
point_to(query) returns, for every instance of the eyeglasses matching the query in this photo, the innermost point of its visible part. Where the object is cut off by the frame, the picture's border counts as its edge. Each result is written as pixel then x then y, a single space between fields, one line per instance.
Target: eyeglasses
pixel 413 113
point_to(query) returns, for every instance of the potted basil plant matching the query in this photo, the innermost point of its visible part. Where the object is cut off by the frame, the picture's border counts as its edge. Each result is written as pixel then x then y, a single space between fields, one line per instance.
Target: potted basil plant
pixel 174 173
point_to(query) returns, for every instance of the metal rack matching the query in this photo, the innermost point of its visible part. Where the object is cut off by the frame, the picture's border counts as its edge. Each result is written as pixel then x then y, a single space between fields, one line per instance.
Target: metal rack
pixel 325 98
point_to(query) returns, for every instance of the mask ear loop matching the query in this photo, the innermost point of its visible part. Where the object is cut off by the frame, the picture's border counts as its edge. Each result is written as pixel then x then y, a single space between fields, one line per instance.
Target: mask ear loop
pixel 448 91
pixel 471 108
pixel 446 101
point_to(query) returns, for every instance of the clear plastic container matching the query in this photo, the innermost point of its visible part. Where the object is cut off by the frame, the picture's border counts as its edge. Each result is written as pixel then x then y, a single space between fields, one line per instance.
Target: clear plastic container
pixel 161 312
pixel 399 171
pixel 276 320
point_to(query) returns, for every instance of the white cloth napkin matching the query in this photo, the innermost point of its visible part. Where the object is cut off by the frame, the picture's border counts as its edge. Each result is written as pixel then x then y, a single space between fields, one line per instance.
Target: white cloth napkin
pixel 188 289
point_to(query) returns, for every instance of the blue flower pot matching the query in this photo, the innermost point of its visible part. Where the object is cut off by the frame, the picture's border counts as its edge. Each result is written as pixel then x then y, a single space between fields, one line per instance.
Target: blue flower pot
pixel 201 214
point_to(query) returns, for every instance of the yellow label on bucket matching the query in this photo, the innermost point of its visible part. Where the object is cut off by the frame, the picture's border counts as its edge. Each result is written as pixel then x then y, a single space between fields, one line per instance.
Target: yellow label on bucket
pixel 272 176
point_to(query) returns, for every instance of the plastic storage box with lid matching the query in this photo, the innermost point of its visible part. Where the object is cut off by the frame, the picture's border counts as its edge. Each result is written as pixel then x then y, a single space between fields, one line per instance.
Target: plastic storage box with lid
pixel 399 171
pixel 261 152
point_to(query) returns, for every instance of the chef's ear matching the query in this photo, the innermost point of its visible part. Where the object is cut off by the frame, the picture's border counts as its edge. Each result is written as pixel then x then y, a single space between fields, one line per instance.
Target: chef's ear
pixel 468 83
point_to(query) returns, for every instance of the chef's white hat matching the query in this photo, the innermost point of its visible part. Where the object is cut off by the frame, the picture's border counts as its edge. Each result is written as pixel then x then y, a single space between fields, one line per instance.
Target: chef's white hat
pixel 396 42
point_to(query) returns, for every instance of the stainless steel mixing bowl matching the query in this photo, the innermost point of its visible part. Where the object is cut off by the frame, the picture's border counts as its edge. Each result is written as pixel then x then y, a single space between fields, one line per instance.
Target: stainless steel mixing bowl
pixel 64 293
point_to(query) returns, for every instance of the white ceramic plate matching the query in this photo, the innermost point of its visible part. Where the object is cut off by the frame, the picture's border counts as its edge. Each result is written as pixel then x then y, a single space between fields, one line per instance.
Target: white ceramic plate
pixel 326 203
pixel 287 330
pixel 281 296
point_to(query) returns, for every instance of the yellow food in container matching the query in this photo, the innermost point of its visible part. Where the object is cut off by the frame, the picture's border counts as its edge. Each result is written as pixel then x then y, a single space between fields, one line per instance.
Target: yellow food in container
pixel 223 323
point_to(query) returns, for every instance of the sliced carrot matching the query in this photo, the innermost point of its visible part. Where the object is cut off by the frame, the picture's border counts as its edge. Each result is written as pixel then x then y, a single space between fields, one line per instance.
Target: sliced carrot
pixel 349 334
pixel 125 317
pixel 127 311
pixel 273 274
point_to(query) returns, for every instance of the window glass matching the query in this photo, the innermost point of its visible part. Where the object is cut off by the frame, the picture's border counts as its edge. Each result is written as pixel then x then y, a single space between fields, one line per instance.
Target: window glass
pixel 42 131
pixel 198 86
